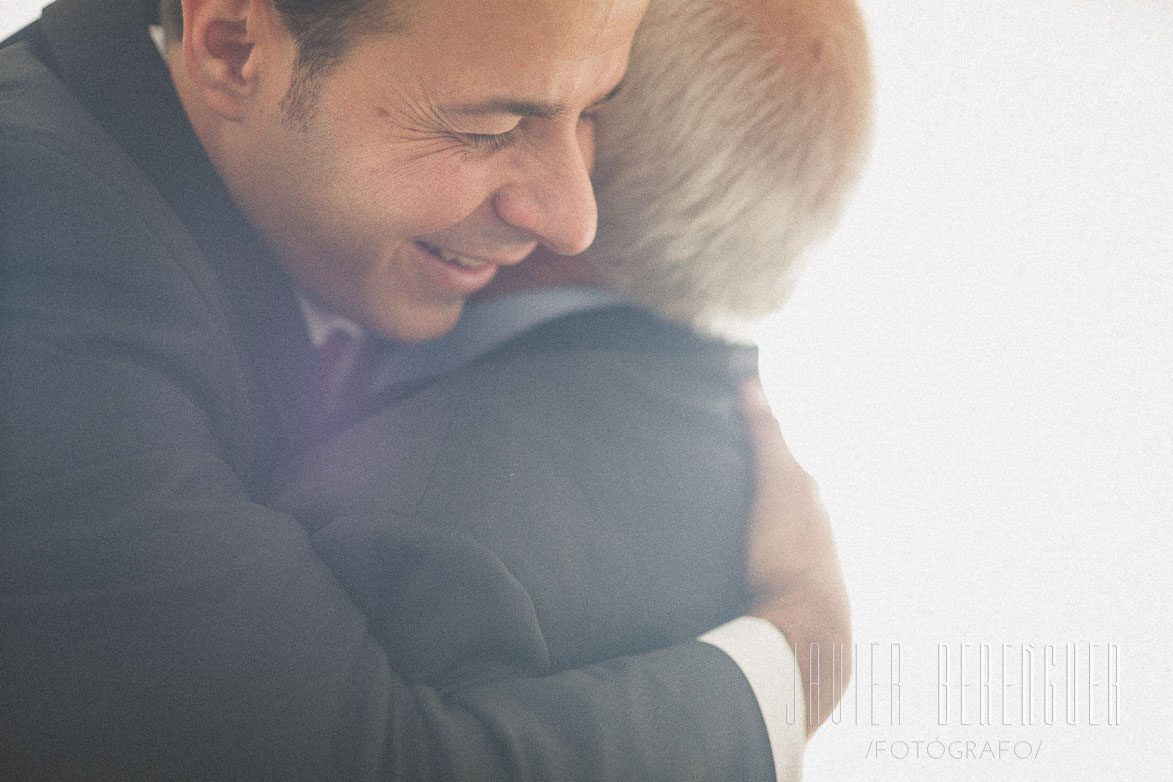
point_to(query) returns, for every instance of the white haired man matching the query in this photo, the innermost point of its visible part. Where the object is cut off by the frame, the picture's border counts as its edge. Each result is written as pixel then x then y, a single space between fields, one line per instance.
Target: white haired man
pixel 587 384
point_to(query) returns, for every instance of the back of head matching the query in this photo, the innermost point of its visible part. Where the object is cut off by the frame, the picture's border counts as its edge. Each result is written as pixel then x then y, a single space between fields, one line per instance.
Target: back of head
pixel 732 148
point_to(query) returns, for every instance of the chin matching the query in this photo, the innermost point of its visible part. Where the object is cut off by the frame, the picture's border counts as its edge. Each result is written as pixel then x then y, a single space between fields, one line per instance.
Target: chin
pixel 418 325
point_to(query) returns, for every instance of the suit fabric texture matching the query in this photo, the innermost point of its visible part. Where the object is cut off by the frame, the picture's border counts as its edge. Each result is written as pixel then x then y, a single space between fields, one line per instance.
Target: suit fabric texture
pixel 576 495
pixel 159 620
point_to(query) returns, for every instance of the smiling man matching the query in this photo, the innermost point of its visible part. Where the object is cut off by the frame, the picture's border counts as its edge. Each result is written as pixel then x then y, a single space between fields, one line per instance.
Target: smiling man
pixel 450 139
pixel 163 223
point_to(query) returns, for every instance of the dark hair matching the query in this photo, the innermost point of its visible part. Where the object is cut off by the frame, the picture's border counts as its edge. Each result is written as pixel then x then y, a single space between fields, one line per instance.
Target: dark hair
pixel 324 31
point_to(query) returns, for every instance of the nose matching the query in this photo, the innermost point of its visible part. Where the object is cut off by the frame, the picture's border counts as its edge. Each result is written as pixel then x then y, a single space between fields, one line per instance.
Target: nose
pixel 551 196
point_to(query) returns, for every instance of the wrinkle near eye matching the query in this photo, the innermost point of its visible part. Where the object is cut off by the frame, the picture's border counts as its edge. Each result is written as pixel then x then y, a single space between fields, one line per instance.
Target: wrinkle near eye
pixel 419 130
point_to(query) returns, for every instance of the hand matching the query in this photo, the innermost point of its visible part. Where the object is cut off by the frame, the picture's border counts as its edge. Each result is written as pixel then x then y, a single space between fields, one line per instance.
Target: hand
pixel 792 565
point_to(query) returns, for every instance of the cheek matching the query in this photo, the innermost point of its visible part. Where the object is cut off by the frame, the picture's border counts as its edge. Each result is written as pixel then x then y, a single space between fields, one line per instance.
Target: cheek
pixel 435 193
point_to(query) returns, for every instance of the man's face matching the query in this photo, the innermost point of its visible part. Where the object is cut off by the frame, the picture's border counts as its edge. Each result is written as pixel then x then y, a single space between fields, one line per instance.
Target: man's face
pixel 433 155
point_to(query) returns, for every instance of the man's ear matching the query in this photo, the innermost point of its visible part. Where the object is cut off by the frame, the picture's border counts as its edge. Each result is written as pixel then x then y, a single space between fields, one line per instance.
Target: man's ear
pixel 227 47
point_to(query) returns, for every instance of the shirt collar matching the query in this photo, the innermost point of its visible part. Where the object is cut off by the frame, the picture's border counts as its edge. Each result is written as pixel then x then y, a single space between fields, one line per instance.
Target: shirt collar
pixel 322 324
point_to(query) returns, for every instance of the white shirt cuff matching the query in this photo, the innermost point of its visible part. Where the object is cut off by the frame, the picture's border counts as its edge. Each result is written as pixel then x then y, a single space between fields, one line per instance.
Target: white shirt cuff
pixel 766 659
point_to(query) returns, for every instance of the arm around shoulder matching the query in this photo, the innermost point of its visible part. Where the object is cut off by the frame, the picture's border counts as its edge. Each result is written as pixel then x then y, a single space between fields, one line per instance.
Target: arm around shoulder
pixel 159 623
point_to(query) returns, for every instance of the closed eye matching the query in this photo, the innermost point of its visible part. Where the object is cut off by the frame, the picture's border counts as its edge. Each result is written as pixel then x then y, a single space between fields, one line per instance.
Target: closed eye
pixel 490 142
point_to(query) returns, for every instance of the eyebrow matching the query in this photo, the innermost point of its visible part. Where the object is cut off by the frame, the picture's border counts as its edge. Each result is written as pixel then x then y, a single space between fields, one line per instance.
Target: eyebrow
pixel 525 108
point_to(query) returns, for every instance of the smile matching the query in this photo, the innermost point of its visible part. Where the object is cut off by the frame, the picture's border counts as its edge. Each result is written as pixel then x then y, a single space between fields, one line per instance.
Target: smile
pixel 456 259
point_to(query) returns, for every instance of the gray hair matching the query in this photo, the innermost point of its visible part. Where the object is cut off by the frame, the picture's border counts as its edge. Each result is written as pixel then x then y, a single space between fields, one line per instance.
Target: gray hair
pixel 730 151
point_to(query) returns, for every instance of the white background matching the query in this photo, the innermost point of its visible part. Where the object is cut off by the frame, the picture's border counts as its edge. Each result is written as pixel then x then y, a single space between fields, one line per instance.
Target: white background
pixel 15 13
pixel 977 368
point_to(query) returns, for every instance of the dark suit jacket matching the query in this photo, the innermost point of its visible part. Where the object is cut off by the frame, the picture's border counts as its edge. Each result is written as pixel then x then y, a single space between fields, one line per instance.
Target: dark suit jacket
pixel 157 620
pixel 576 495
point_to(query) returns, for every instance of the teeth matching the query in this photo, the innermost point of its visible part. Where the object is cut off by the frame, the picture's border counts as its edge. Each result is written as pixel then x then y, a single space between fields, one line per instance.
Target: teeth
pixel 461 260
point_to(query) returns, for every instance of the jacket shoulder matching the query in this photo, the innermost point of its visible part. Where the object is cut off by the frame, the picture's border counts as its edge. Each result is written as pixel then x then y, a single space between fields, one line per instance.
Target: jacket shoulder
pixel 91 255
pixel 35 106
pixel 644 343
pixel 71 190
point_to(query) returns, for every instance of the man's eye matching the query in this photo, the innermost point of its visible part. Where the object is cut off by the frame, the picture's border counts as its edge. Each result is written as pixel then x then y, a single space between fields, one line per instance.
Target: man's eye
pixel 490 142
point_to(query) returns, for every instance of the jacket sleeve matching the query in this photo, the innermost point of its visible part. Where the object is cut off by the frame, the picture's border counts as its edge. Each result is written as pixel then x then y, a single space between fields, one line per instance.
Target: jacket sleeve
pixel 157 623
